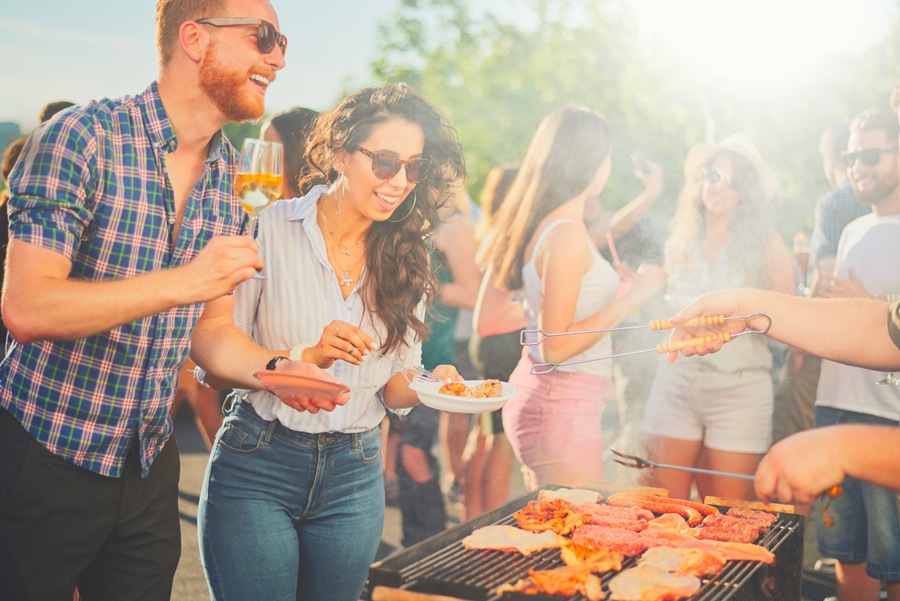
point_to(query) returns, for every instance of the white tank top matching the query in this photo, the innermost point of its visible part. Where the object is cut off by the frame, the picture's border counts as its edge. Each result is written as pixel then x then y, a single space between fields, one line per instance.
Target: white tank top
pixel 598 287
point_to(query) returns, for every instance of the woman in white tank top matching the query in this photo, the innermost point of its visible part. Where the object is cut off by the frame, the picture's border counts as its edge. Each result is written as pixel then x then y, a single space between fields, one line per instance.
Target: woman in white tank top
pixel 542 246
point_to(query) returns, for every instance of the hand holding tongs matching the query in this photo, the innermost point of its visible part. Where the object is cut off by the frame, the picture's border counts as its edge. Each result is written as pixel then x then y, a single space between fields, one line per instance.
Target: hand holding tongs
pixel 640 463
pixel 660 324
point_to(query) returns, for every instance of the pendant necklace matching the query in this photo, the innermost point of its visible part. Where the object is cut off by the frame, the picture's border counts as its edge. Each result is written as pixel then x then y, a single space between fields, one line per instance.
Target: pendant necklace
pixel 347 250
pixel 346 280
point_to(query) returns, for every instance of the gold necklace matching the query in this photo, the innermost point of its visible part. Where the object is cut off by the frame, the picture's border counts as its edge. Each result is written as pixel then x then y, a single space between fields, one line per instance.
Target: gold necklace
pixel 346 279
pixel 348 250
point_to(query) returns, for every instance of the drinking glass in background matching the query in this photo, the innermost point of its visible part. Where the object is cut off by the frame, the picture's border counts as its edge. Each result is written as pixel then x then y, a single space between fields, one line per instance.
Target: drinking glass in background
pixel 260 176
pixel 890 378
pixel 801 261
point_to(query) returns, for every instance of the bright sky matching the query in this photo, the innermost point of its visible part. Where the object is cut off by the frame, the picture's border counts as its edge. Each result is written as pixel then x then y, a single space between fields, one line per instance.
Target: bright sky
pixel 86 49
pixel 89 49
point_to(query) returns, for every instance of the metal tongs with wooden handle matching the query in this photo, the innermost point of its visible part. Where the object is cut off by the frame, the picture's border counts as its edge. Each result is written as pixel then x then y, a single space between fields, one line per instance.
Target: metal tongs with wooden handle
pixel 661 324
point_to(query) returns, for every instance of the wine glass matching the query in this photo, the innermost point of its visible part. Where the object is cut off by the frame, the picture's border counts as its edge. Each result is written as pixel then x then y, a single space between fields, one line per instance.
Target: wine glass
pixel 890 378
pixel 260 175
pixel 801 260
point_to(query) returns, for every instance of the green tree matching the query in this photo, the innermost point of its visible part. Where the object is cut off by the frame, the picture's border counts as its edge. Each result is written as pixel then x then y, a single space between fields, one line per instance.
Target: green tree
pixel 496 76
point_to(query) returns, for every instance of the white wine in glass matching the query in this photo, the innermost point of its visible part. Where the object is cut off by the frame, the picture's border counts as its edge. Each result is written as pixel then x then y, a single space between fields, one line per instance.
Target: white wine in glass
pixel 260 176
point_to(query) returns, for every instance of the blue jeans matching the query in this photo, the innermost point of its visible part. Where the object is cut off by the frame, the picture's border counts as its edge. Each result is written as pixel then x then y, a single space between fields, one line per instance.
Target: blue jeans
pixel 288 516
pixel 866 517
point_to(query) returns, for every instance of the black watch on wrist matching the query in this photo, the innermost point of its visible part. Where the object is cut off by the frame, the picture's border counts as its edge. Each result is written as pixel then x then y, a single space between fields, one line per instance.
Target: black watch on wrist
pixel 270 366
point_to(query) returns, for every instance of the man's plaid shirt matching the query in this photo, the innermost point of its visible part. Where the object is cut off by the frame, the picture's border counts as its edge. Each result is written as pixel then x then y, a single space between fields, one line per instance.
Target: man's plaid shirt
pixel 91 185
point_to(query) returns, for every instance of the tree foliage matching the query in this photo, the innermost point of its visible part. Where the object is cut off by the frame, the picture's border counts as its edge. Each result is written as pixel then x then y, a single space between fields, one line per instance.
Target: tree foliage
pixel 496 76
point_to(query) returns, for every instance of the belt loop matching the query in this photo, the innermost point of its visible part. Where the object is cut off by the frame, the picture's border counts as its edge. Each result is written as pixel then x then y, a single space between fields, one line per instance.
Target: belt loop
pixel 269 431
pixel 229 405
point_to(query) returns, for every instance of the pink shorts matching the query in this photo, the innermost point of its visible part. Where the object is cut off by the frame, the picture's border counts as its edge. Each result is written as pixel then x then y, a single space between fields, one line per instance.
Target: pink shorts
pixel 553 425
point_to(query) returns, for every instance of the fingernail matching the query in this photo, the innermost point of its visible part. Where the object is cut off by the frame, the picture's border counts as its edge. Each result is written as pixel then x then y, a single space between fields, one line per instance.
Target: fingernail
pixel 373 345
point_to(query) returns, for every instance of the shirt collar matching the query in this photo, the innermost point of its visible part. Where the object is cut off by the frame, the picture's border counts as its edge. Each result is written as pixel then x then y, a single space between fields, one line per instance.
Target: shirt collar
pixel 161 133
pixel 307 209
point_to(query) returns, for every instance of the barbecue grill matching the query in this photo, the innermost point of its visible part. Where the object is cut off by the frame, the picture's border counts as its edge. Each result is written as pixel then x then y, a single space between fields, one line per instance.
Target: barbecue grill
pixel 441 565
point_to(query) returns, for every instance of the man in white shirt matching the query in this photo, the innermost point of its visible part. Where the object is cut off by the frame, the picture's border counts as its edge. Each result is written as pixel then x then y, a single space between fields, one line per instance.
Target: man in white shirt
pixel 865 538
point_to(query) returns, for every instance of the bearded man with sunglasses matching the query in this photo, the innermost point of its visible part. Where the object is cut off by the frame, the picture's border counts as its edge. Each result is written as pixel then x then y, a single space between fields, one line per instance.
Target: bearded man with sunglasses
pixel 865 538
pixel 124 234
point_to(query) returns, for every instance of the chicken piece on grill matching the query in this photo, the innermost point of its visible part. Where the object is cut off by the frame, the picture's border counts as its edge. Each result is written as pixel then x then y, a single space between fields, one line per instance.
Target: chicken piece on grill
pixel 646 583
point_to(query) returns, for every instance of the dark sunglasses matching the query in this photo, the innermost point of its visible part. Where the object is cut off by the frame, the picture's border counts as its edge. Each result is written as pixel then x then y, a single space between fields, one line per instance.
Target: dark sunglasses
pixel 386 165
pixel 868 156
pixel 714 176
pixel 266 37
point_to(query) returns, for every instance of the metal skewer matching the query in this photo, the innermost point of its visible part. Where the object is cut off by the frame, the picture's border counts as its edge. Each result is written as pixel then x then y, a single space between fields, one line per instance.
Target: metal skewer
pixel 640 463
pixel 703 320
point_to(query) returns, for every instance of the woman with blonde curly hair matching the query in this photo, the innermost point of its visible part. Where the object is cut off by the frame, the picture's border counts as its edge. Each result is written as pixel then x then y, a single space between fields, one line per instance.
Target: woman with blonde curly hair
pixel 717 412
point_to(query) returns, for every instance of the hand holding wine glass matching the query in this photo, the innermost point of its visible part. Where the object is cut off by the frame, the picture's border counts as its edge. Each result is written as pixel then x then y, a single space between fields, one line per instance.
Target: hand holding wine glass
pixel 260 176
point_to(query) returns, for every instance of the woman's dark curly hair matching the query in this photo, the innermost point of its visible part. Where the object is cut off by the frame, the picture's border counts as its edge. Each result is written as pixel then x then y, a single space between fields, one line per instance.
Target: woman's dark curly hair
pixel 398 275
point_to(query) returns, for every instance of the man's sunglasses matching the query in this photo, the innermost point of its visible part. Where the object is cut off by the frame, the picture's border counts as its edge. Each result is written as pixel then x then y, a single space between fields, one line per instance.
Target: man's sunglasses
pixel 714 176
pixel 266 37
pixel 386 165
pixel 868 156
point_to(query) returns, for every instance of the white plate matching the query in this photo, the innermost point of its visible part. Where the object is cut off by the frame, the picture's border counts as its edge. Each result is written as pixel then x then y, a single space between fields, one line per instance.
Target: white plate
pixel 429 395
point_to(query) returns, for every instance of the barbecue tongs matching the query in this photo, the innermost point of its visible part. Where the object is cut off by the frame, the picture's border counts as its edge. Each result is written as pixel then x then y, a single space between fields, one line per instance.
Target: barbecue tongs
pixel 659 324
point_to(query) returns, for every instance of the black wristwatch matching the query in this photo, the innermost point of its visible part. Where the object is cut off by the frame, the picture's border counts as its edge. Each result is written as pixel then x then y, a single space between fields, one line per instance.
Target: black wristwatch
pixel 270 366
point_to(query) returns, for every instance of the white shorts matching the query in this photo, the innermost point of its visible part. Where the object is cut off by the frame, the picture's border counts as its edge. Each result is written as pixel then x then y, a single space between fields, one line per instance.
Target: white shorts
pixel 728 412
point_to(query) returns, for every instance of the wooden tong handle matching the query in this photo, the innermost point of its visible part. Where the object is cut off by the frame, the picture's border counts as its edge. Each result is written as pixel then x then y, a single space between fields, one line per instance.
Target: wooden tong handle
pixel 703 320
pixel 384 593
pixel 672 347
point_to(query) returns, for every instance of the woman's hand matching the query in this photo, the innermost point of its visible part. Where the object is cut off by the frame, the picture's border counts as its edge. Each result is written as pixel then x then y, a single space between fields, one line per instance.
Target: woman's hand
pixel 447 373
pixel 340 340
pixel 649 281
pixel 305 402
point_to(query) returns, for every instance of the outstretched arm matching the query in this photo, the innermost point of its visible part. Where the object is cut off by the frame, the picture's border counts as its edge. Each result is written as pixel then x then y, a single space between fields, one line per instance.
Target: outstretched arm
pixel 852 330
pixel 41 302
pixel 801 467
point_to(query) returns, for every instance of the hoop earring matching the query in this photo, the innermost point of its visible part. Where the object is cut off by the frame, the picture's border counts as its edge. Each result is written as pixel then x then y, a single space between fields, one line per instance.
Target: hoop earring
pixel 415 194
pixel 339 205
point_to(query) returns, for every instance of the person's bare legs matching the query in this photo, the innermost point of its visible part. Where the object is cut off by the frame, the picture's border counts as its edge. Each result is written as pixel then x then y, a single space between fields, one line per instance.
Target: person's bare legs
pixel 497 470
pixel 473 475
pixel 893 590
pixel 674 451
pixel 726 461
pixel 853 584
pixel 454 433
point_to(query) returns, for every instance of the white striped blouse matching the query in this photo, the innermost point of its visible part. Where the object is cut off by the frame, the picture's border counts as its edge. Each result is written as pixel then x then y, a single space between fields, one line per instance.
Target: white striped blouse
pixel 293 300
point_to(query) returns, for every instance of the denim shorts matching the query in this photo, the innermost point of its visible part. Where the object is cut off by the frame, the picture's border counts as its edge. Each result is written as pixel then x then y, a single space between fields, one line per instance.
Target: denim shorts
pixel 866 517
pixel 287 515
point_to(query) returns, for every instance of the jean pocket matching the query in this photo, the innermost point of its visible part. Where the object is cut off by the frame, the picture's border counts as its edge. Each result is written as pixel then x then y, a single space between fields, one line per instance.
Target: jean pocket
pixel 368 446
pixel 241 437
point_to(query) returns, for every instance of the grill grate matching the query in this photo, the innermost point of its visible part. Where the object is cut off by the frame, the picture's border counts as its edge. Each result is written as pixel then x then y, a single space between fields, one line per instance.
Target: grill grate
pixel 441 565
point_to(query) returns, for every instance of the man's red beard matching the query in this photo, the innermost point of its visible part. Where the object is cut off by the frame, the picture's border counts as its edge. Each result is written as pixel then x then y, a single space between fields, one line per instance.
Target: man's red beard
pixel 226 88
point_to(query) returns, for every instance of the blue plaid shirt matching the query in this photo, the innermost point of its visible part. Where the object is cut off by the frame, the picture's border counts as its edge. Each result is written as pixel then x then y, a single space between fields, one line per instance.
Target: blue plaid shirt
pixel 92 185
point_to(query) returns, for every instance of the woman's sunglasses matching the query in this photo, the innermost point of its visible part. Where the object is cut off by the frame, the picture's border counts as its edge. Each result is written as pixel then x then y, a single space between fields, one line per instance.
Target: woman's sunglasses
pixel 386 165
pixel 714 176
pixel 868 156
pixel 266 37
